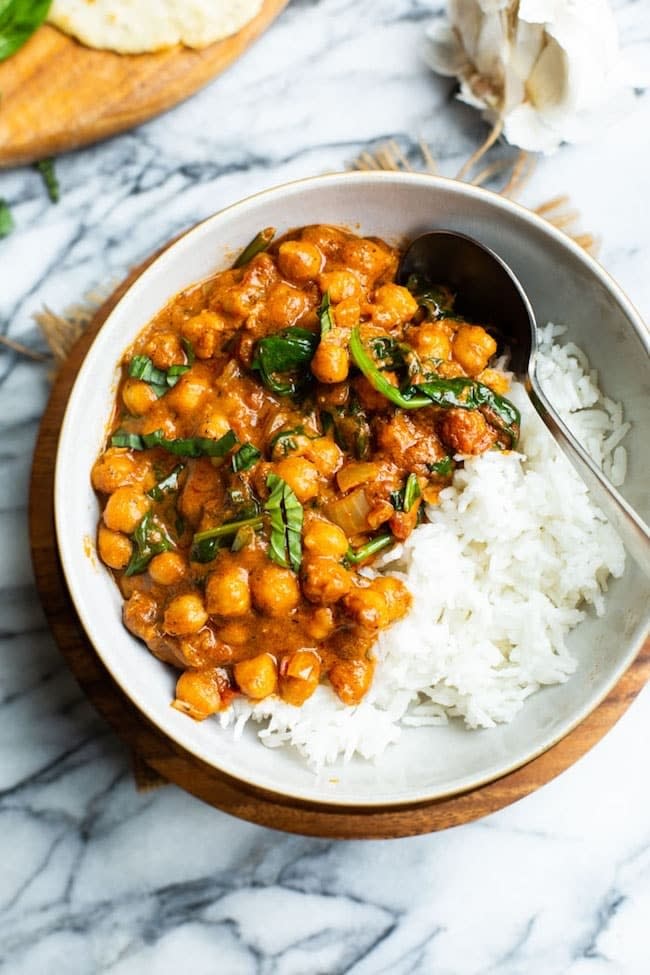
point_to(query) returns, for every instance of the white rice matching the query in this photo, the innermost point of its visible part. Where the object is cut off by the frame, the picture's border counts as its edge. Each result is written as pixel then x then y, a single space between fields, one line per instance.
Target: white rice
pixel 512 558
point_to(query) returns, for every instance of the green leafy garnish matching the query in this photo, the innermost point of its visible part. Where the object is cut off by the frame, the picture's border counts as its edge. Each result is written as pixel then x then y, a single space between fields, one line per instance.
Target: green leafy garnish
pixel 325 316
pixel 150 538
pixel 356 556
pixel 442 467
pixel 167 485
pixel 205 544
pixel 284 440
pixel 246 457
pixel 188 349
pixel 6 220
pixel 18 21
pixel 411 492
pixel 285 514
pixel 462 393
pixel 437 301
pixel 259 243
pixel 189 447
pixel 46 168
pixel 141 367
pixel 283 359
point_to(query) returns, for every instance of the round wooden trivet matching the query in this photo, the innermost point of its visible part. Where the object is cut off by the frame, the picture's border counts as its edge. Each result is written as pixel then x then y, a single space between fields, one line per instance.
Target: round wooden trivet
pixel 176 765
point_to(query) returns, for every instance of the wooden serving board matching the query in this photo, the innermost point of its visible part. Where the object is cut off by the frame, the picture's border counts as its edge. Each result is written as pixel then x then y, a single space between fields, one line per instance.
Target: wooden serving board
pixel 59 95
pixel 174 764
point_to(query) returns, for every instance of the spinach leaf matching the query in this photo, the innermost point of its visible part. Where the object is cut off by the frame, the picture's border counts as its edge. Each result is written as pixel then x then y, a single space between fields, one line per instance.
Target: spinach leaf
pixel 325 316
pixel 167 485
pixel 356 556
pixel 246 457
pixel 442 467
pixel 283 359
pixel 259 243
pixel 6 220
pixel 285 514
pixel 150 538
pixel 189 447
pixel 18 21
pixel 437 301
pixel 46 168
pixel 205 544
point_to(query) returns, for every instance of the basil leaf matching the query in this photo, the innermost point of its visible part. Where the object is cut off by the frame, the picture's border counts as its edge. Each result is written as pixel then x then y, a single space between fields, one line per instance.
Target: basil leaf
pixel 174 373
pixel 6 220
pixel 205 551
pixel 18 21
pixel 354 557
pixel 283 359
pixel 188 349
pixel 190 447
pixel 411 492
pixel 205 544
pixel 141 367
pixel 245 458
pixel 259 243
pixel 325 316
pixel 46 168
pixel 286 515
pixel 284 440
pixel 442 467
pixel 168 484
pixel 150 538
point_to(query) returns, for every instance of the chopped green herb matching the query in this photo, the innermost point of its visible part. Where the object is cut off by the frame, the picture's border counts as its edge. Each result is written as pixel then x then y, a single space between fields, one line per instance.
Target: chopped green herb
pixel 18 21
pixel 205 544
pixel 246 457
pixel 150 538
pixel 355 557
pixel 46 168
pixel 461 393
pixel 283 359
pixel 6 220
pixel 285 514
pixel 437 301
pixel 190 447
pixel 325 316
pixel 442 467
pixel 141 367
pixel 259 243
pixel 168 484
pixel 411 492
pixel 284 440
pixel 188 349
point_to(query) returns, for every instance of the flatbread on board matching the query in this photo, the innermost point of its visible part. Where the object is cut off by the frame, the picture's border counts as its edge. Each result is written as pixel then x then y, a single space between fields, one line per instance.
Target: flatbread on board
pixel 138 26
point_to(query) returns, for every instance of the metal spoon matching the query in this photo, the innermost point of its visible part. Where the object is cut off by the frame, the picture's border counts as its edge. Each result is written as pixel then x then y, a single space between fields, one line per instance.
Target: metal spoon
pixel 488 291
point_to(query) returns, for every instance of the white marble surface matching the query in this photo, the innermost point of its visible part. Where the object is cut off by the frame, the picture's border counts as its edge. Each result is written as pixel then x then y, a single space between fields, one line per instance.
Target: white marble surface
pixel 96 878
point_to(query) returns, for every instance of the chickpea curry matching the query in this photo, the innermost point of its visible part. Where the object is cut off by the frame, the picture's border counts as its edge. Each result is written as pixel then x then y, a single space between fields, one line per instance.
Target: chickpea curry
pixel 276 427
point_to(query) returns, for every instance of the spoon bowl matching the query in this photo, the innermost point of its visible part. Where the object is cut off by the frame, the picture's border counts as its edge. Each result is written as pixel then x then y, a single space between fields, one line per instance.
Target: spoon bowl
pixel 487 291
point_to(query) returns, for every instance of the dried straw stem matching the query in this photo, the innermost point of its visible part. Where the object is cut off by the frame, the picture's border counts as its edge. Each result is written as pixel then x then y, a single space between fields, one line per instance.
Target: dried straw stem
pixel 23 350
pixel 497 129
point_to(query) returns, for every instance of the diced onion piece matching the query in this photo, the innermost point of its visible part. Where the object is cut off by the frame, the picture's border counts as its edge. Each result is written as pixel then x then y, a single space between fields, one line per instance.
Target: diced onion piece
pixel 352 475
pixel 350 513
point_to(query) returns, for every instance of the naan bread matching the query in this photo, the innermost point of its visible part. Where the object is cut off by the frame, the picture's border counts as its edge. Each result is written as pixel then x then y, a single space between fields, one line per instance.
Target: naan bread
pixel 136 26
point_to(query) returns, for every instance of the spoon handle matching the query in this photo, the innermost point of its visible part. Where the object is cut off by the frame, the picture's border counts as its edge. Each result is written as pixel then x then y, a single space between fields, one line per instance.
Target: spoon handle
pixel 633 531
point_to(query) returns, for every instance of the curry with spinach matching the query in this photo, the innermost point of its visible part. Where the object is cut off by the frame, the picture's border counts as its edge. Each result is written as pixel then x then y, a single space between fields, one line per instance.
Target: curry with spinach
pixel 276 427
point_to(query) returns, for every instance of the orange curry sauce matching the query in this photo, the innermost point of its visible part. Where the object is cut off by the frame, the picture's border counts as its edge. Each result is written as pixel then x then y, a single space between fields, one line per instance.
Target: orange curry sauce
pixel 243 570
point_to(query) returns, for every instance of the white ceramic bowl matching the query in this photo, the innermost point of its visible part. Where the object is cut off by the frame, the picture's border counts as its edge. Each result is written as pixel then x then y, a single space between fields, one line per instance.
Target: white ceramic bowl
pixel 564 285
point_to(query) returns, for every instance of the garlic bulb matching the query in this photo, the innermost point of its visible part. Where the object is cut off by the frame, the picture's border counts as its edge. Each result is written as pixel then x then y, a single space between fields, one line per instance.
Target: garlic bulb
pixel 547 70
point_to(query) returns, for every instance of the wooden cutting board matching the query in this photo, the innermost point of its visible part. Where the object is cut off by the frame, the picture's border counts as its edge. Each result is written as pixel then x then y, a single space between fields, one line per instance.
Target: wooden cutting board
pixel 59 95
pixel 160 759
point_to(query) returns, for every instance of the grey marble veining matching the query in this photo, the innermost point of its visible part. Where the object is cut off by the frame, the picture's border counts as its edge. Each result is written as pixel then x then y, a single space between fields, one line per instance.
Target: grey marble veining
pixel 95 877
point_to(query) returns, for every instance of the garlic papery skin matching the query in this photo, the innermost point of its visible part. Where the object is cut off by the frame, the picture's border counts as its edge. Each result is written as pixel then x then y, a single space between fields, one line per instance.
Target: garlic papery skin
pixel 548 71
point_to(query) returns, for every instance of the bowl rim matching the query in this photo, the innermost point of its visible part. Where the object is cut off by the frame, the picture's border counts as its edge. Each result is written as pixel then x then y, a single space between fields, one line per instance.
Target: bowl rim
pixel 188 240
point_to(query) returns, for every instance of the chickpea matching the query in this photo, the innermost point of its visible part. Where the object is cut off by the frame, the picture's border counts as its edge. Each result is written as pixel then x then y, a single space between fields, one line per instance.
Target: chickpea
pixel 324 538
pixel 140 615
pixel 185 614
pixel 299 676
pixel 367 257
pixel 299 260
pixel 204 331
pixel 351 679
pixel 275 590
pixel 159 419
pixel 258 677
pixel 187 394
pixel 165 349
pixel 497 381
pixel 321 623
pixel 227 592
pixel 138 397
pixel 125 509
pixel 325 581
pixel 398 598
pixel 114 469
pixel 114 548
pixel 368 607
pixel 340 285
pixel 301 476
pixel 168 568
pixel 236 633
pixel 213 424
pixel 369 397
pixel 331 362
pixel 466 431
pixel 325 455
pixel 473 348
pixel 285 305
pixel 432 341
pixel 347 313
pixel 394 305
pixel 198 693
pixel 329 240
